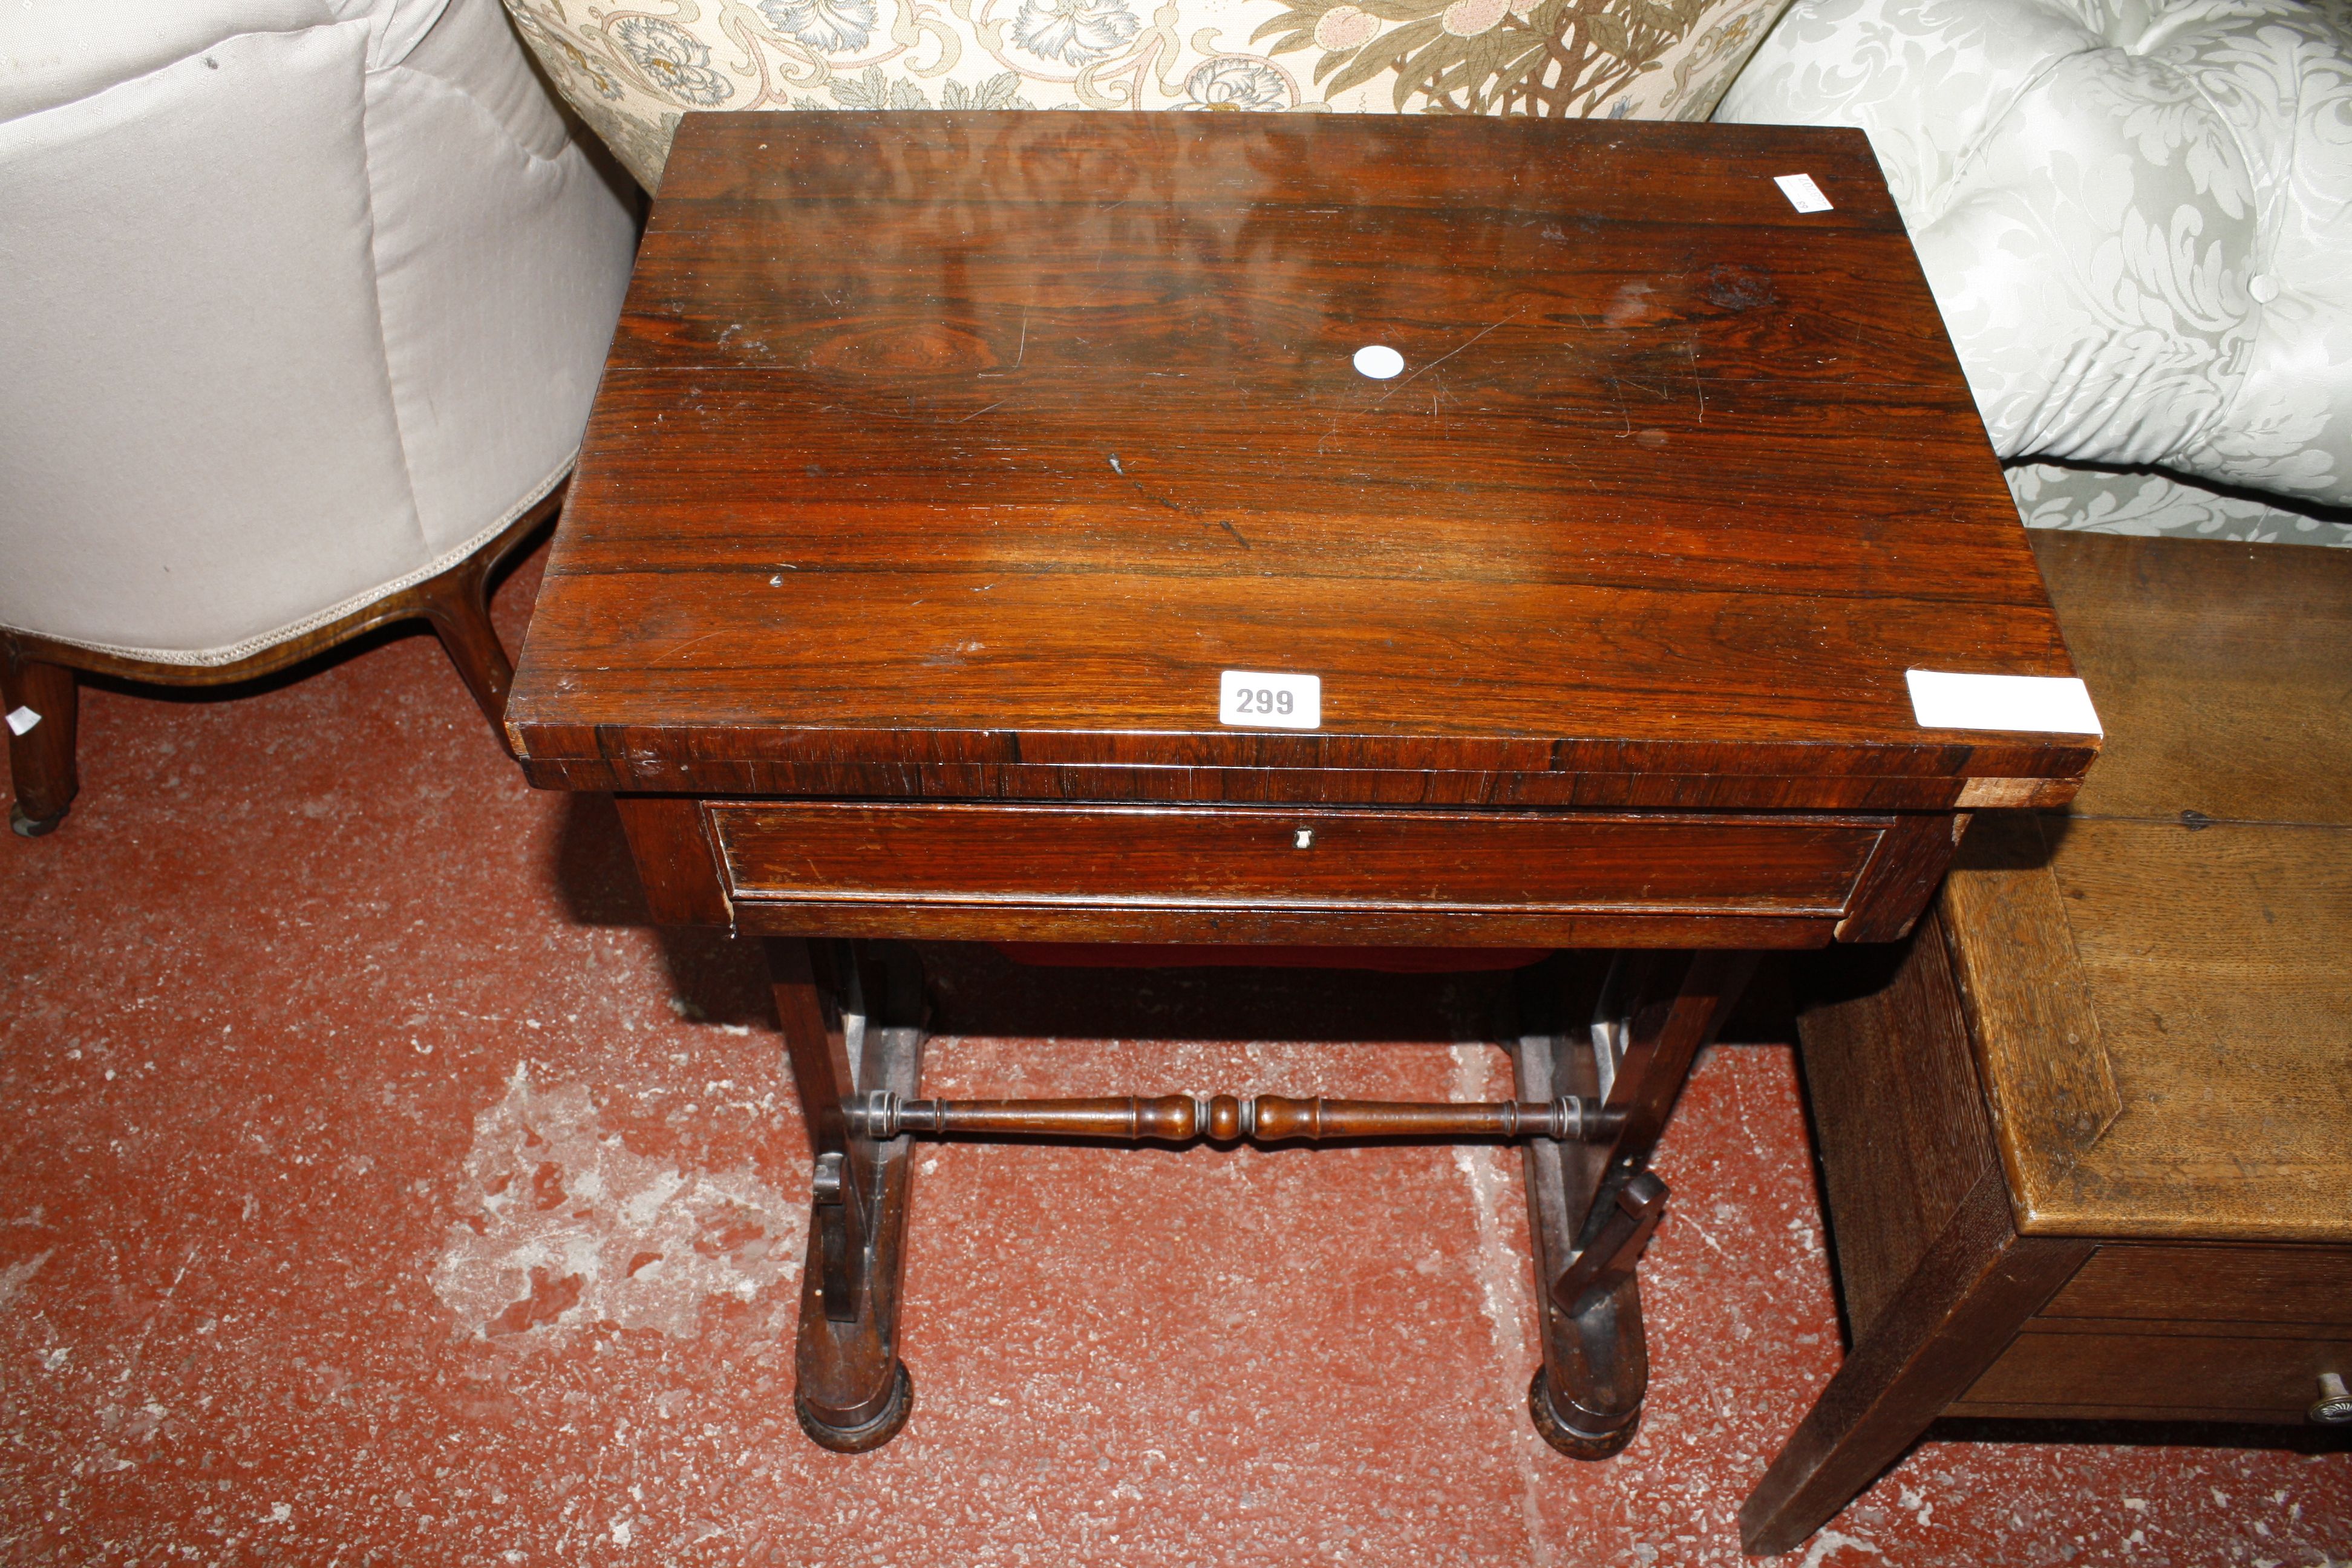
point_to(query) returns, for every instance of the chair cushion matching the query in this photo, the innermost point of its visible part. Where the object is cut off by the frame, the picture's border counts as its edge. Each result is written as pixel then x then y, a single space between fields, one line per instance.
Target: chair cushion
pixel 187 405
pixel 54 51
pixel 2134 214
pixel 2150 501
pixel 631 74
pixel 291 320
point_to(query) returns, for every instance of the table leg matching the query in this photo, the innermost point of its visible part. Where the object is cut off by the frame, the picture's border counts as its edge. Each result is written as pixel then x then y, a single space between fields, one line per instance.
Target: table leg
pixel 1586 1398
pixel 853 1391
pixel 1956 1312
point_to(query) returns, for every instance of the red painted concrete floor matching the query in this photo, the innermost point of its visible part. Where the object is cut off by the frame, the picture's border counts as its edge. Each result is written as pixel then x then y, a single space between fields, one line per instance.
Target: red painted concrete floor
pixel 378 1188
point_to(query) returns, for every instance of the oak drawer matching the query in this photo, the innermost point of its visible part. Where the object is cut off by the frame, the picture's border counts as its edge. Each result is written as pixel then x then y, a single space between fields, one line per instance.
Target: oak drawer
pixel 2118 1372
pixel 1512 873
pixel 2220 1283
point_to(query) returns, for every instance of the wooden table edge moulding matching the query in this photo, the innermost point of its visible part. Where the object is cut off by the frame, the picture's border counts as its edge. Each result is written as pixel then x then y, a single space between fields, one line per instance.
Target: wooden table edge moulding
pixel 1320 531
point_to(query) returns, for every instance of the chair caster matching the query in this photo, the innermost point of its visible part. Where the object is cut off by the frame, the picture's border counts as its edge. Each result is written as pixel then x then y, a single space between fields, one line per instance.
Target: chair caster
pixel 33 826
pixel 867 1435
pixel 1568 1439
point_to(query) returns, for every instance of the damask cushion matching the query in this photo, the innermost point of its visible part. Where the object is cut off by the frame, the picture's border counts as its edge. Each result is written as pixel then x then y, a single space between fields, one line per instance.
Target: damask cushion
pixel 2145 502
pixel 631 73
pixel 2136 215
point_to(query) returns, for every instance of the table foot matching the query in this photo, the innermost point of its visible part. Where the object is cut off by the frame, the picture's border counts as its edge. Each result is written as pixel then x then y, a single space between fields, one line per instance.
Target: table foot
pixel 1566 1430
pixel 854 1394
pixel 871 1434
pixel 1622 1032
pixel 1586 1398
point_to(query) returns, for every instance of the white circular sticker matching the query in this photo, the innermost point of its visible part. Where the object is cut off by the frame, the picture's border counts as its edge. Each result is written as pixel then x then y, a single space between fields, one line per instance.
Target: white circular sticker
pixel 1379 361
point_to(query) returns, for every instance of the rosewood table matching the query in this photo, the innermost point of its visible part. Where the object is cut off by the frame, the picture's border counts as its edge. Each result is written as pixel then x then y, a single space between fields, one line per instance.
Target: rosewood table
pixel 1235 530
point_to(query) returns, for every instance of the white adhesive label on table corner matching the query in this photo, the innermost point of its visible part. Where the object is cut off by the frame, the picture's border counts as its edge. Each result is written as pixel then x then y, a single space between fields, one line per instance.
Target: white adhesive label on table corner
pixel 2044 704
pixel 1802 193
pixel 22 719
pixel 1379 361
pixel 1259 699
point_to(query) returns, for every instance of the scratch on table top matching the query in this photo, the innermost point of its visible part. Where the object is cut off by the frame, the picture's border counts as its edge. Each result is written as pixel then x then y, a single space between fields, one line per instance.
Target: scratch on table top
pixel 1020 352
pixel 1448 354
pixel 681 649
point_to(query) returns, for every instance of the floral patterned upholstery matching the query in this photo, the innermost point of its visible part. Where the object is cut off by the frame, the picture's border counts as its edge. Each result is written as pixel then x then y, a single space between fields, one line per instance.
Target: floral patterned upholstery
pixel 2136 217
pixel 631 73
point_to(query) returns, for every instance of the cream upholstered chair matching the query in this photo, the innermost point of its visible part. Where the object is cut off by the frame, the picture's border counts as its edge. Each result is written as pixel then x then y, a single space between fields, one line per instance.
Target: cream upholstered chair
pixel 632 71
pixel 301 306
pixel 2137 216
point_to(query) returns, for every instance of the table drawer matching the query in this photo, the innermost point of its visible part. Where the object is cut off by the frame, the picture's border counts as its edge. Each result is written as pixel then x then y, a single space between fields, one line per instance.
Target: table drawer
pixel 1510 874
pixel 2116 1372
pixel 2213 1283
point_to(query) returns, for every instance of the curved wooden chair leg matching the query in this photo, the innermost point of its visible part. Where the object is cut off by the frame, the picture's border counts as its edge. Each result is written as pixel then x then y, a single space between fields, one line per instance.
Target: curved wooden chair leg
pixel 44 700
pixel 37 675
pixel 457 605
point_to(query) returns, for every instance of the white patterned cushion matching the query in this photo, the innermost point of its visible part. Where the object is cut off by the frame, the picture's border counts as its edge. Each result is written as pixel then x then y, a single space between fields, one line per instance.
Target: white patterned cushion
pixel 2136 215
pixel 631 73
pixel 2140 502
pixel 301 301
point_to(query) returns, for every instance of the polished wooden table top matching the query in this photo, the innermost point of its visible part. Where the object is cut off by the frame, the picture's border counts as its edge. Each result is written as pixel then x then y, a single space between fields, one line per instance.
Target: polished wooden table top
pixel 958 456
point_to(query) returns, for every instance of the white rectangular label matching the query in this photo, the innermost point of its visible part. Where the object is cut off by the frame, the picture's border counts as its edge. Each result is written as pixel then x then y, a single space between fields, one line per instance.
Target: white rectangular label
pixel 1258 700
pixel 1802 193
pixel 22 719
pixel 1942 699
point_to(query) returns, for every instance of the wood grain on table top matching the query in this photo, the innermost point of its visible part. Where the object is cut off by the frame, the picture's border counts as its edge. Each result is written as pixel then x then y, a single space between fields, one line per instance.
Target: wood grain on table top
pixel 2203 883
pixel 992 439
pixel 2222 671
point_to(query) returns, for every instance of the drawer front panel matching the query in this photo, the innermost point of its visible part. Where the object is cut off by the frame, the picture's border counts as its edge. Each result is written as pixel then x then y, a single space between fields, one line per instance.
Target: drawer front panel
pixel 2172 1376
pixel 1257 858
pixel 2211 1283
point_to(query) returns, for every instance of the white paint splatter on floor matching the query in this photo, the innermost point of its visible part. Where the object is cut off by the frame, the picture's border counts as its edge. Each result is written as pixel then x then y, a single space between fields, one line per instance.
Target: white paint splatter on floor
pixel 1829 1540
pixel 1504 1288
pixel 16 1275
pixel 562 1225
